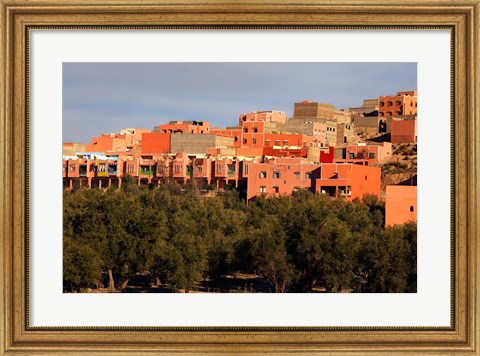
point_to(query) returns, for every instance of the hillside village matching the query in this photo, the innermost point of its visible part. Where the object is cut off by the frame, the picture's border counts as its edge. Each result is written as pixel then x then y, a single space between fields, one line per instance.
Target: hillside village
pixel 341 153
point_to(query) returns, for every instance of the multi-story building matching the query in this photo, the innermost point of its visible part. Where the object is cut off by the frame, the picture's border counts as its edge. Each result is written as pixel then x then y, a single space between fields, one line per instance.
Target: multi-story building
pixel 286 175
pixel 404 103
pixel 279 176
pixel 348 180
pixel 345 133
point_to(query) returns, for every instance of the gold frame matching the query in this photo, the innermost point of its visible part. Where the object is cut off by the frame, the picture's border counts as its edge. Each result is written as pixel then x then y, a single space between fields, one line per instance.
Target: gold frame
pixel 462 17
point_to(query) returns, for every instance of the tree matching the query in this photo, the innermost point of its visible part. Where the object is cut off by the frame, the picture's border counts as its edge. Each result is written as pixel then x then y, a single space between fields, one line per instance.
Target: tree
pixel 81 265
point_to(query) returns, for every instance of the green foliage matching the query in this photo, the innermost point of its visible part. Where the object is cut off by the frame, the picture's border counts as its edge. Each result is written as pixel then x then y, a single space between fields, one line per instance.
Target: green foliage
pixel 81 265
pixel 301 243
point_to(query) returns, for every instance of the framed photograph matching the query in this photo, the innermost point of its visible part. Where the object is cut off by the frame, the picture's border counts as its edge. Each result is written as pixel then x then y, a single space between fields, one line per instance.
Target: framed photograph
pixel 239 177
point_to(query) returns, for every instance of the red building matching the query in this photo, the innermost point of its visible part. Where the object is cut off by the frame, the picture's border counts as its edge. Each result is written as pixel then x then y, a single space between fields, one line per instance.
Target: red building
pixel 404 103
pixel 403 131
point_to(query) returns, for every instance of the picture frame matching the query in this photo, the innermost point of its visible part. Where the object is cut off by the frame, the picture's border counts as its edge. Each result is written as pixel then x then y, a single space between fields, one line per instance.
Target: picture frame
pixel 461 18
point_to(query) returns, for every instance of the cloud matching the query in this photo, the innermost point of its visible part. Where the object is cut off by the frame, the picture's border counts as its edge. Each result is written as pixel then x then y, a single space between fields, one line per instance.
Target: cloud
pixel 106 95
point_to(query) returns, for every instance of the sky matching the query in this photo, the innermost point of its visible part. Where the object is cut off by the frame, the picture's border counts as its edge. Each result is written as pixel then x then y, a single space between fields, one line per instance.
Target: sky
pixel 108 97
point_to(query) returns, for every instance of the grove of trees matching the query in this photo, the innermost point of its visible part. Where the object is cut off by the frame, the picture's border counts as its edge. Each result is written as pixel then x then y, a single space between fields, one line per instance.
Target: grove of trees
pixel 297 243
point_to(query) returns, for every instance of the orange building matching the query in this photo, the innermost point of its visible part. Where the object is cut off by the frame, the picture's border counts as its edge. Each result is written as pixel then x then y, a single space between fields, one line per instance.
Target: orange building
pixel 280 176
pixel 107 142
pixel 155 142
pixel 403 131
pixel 93 170
pixel 253 133
pixel 404 103
pixel 400 204
pixel 348 180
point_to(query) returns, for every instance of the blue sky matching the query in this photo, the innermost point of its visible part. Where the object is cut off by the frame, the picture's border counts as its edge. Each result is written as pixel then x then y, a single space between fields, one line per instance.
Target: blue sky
pixel 108 97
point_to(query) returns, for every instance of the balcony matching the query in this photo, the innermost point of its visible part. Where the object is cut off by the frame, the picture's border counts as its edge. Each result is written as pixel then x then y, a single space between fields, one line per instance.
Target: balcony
pixel 112 169
pixel 147 171
pixel 82 170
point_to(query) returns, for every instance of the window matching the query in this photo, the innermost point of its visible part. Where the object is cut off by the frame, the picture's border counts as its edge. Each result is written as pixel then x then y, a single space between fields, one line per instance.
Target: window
pixel 276 174
pixel 263 174
pixel 245 140
pixel 246 169
pixel 245 129
pixel 199 169
pixel 72 168
pixel 267 142
pixel 371 155
pixel 101 167
pixel 285 142
pixel 277 142
pixel 276 189
pixel 178 168
pixel 352 155
pixel 235 139
pixel 255 129
pixel 365 177
pixel 382 103
pixel 263 189
pixel 308 175
pixel 398 103
pixel 411 208
pixel 296 189
pixel 297 175
pixel 390 103
pixel 130 168
pixel 254 141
